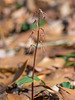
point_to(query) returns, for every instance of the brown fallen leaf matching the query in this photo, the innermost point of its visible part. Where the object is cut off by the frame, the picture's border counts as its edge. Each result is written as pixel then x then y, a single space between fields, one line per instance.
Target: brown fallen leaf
pixel 3 96
pixel 23 38
pixel 17 97
pixel 52 64
pixel 59 76
pixel 9 1
pixel 26 95
pixel 23 95
pixel 53 91
pixel 11 63
pixel 70 91
pixel 65 9
pixel 12 78
pixel 6 27
pixel 18 13
pixel 2 76
pixel 58 51
pixel 31 5
pixel 62 73
pixel 34 5
pixel 54 82
pixel 66 95
pixel 37 90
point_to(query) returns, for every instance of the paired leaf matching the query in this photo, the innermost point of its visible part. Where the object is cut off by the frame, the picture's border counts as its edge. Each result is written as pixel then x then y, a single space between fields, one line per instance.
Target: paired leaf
pixel 25 79
pixel 36 78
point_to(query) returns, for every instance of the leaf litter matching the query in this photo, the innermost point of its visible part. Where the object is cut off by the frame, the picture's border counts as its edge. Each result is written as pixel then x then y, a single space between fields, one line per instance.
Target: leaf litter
pixel 55 61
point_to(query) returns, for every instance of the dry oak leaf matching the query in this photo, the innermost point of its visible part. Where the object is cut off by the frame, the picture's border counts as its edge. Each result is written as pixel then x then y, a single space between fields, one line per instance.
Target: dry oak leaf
pixel 12 78
pixel 66 95
pixel 70 91
pixel 48 63
pixel 11 63
pixel 17 97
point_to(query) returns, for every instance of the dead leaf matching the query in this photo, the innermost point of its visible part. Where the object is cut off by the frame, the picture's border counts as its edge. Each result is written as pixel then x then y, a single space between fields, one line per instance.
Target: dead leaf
pixel 31 5
pixel 9 1
pixel 3 96
pixel 11 63
pixel 52 83
pixel 59 76
pixel 12 78
pixel 70 91
pixel 18 13
pixel 17 97
pixel 52 64
pixel 66 95
pixel 65 9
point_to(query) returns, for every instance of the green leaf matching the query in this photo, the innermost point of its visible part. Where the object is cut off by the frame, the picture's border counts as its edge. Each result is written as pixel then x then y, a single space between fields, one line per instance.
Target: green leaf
pixel 36 78
pixel 25 79
pixel 41 22
pixel 70 64
pixel 43 82
pixel 71 55
pixel 74 87
pixel 65 58
pixel 67 85
pixel 25 27
pixel 19 5
pixel 34 25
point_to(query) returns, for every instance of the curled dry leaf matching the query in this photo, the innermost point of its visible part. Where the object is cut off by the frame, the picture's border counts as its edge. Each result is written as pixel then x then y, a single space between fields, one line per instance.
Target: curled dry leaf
pixel 66 95
pixel 12 78
pixel 70 91
pixel 52 64
pixel 11 63
pixel 59 76
pixel 37 89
